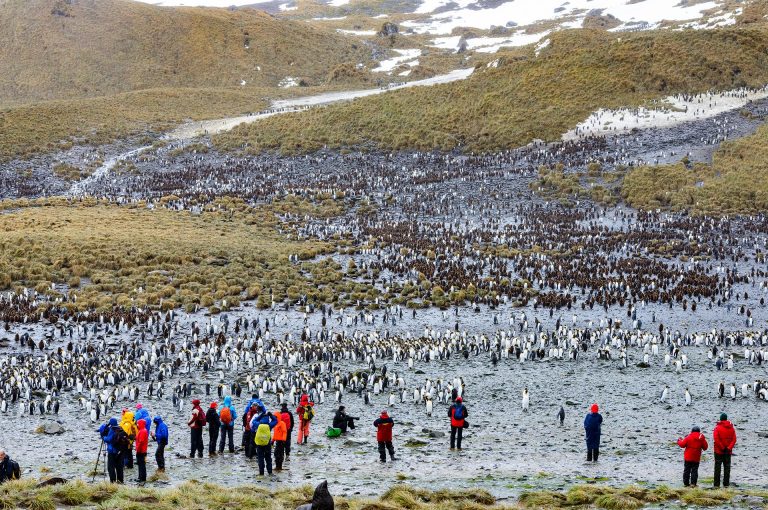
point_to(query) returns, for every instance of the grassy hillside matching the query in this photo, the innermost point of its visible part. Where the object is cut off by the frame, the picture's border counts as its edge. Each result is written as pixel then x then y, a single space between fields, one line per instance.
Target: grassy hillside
pixel 57 49
pixel 736 182
pixel 527 97
pixel 193 495
pixel 50 125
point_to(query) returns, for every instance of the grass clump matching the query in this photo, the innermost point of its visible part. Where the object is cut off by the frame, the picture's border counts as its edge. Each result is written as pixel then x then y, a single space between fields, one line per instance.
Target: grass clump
pixel 735 182
pixel 701 497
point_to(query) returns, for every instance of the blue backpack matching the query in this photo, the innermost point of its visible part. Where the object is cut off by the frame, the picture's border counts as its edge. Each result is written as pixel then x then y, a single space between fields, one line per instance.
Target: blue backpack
pixel 458 413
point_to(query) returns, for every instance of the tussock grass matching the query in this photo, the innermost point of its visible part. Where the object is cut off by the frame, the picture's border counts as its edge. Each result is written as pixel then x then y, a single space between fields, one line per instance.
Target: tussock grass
pixel 735 182
pixel 624 498
pixel 526 97
pixel 158 258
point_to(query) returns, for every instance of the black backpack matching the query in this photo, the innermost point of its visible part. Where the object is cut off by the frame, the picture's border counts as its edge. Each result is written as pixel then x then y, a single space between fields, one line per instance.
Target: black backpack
pixel 121 440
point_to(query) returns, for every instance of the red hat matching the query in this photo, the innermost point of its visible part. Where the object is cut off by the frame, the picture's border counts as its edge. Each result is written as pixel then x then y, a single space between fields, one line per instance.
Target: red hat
pixel 384 413
pixel 214 405
pixel 594 408
pixel 458 399
pixel 195 402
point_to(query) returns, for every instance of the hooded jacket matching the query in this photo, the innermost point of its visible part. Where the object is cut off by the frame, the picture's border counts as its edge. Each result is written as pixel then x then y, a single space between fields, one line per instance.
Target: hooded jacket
pixel 161 431
pixel 128 424
pixel 592 428
pixel 694 443
pixel 142 438
pixel 212 417
pixel 287 418
pixel 141 414
pixel 384 428
pixel 725 437
pixel 197 419
pixel 108 432
pixel 280 432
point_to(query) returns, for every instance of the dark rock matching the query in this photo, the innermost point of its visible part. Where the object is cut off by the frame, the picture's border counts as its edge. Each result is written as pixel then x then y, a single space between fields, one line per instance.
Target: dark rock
pixel 388 29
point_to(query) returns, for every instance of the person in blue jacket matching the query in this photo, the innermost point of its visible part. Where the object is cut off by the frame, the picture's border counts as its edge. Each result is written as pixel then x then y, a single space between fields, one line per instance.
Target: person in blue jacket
pixel 592 424
pixel 264 452
pixel 227 429
pixel 110 433
pixel 161 436
pixel 141 414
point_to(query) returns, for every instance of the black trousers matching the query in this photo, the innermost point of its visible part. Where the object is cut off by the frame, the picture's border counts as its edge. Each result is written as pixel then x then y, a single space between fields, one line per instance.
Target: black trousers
pixel 250 446
pixel 690 473
pixel 385 446
pixel 288 441
pixel 264 454
pixel 160 456
pixel 128 458
pixel 456 434
pixel 196 443
pixel 592 454
pixel 279 454
pixel 227 432
pixel 115 467
pixel 213 438
pixel 723 460
pixel 141 462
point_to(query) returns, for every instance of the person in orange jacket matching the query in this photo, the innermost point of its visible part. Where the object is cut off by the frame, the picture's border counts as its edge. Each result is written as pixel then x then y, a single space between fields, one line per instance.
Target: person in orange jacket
pixel 305 412
pixel 280 439
pixel 142 442
pixel 694 443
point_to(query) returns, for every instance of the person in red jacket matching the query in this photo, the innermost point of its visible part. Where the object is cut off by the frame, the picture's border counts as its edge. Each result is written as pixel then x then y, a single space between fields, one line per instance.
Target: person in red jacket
pixel 196 423
pixel 384 436
pixel 305 412
pixel 457 413
pixel 725 439
pixel 142 441
pixel 694 443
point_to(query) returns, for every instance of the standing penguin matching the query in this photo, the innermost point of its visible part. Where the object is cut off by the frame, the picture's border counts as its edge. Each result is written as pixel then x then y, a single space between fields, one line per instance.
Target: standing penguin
pixel 526 399
pixel 687 397
pixel 561 415
pixel 665 394
pixel 721 389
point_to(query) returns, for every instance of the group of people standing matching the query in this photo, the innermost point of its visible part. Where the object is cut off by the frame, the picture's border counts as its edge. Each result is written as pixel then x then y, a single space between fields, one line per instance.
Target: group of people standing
pixel 723 435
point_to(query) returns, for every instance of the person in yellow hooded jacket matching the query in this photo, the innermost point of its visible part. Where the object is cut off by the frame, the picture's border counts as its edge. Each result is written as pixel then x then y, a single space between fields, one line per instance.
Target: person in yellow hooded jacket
pixel 128 424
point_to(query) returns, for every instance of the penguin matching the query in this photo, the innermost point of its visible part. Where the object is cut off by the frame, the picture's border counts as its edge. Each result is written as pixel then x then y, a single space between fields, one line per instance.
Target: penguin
pixel 429 406
pixel 561 415
pixel 526 400
pixel 665 394
pixel 687 397
pixel 733 391
pixel 721 389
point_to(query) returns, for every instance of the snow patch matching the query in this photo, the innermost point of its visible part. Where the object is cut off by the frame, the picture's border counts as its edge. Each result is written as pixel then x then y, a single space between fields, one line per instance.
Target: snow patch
pixel 325 18
pixel 680 109
pixel 288 7
pixel 489 44
pixel 288 82
pixel 356 32
pixel 387 66
pixel 543 44
pixel 464 13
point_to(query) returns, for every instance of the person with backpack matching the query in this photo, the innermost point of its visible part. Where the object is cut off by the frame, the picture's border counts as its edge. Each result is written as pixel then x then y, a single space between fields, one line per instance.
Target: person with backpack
pixel 247 437
pixel 117 442
pixel 287 417
pixel 128 424
pixel 9 468
pixel 725 439
pixel 592 429
pixel 305 412
pixel 212 418
pixel 227 417
pixel 694 443
pixel 280 439
pixel 196 423
pixel 262 424
pixel 142 442
pixel 458 414
pixel 250 446
pixel 384 426
pixel 161 436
